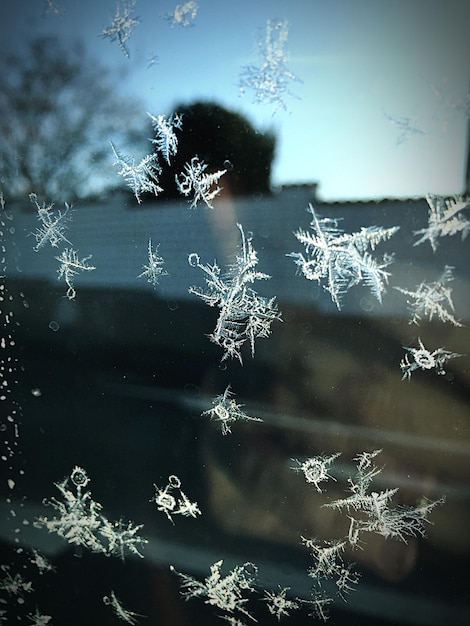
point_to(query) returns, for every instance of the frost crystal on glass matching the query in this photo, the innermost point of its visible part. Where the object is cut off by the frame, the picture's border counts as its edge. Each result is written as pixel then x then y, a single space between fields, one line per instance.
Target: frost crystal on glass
pixel 183 14
pixel 81 522
pixel 171 505
pixel 165 139
pixel 14 585
pixel 125 615
pixel 424 359
pixel 377 515
pixel 122 26
pixel 53 224
pixel 224 592
pixel 271 78
pixel 226 411
pixel 194 182
pixel 341 260
pixel 329 564
pixel 406 127
pixel 39 619
pixel 70 266
pixel 315 469
pixel 141 177
pixel 244 315
pixel 278 604
pixel 445 219
pixel 41 562
pixel 154 269
pixel 432 300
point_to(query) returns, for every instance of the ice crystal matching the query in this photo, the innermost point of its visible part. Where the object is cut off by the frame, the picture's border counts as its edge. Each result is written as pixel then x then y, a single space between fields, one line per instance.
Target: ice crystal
pixel 70 266
pixel 193 181
pixel 52 7
pixel 14 585
pixel 445 219
pixel 171 505
pixel 329 564
pixel 122 26
pixel 154 269
pixel 226 411
pixel 152 60
pixel 376 513
pixel 39 619
pixel 141 177
pixel 406 127
pixel 278 604
pixel 224 592
pixel 270 79
pixel 81 521
pixel 315 469
pixel 425 359
pixel 244 315
pixel 183 14
pixel 41 563
pixel 53 224
pixel 432 300
pixel 342 260
pixel 319 601
pixel 165 139
pixel 124 614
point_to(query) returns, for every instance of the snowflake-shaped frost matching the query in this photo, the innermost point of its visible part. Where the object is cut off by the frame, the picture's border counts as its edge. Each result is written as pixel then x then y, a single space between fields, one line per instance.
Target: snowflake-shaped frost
pixel 432 300
pixel 194 182
pixel 329 564
pixel 377 515
pixel 124 614
pixel 81 522
pixel 406 127
pixel 244 315
pixel 224 592
pixel 14 585
pixel 425 360
pixel 70 265
pixel 53 224
pixel 278 604
pixel 41 562
pixel 341 260
pixel 226 411
pixel 39 619
pixel 315 469
pixel 141 177
pixel 122 26
pixel 271 78
pixel 171 505
pixel 165 139
pixel 154 269
pixel 445 219
pixel 183 14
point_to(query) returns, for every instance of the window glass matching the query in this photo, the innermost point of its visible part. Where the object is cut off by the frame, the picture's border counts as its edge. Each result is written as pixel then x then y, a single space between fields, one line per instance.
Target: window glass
pixel 235 307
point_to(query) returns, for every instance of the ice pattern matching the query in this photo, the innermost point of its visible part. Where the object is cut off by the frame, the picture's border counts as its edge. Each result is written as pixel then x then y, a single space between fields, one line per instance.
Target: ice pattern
pixel 53 224
pixel 424 359
pixel 432 300
pixel 271 78
pixel 81 521
pixel 122 26
pixel 341 260
pixel 224 592
pixel 445 219
pixel 226 411
pixel 193 181
pixel 244 315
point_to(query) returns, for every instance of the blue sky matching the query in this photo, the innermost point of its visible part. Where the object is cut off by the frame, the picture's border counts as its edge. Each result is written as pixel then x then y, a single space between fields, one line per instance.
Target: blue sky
pixel 359 61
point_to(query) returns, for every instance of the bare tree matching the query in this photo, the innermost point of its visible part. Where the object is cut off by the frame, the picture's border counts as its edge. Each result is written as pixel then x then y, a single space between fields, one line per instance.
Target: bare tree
pixel 58 112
